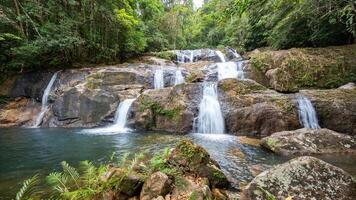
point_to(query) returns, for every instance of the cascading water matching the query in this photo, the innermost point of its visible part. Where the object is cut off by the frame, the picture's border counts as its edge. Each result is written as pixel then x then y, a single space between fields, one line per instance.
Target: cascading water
pixel 307 114
pixel 221 56
pixel 120 121
pixel 179 79
pixel 158 79
pixel 230 70
pixel 234 52
pixel 121 114
pixel 240 70
pixel 44 107
pixel 210 119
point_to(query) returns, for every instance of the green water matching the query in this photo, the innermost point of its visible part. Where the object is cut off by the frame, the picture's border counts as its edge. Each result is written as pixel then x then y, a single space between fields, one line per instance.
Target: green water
pixel 24 152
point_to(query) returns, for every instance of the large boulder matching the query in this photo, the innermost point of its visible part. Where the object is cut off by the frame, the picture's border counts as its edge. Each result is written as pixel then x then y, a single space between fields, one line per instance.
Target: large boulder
pixel 191 158
pixel 335 108
pixel 291 70
pixel 19 112
pixel 158 184
pixel 302 178
pixel 168 109
pixel 251 109
pixel 309 141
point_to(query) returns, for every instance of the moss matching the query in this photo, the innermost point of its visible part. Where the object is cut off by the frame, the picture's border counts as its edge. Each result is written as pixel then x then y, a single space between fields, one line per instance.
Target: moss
pixel 309 67
pixel 241 87
pixel 168 55
pixel 194 195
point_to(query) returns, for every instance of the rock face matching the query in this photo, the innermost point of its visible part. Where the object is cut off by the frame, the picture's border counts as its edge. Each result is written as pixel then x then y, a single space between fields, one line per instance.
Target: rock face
pixel 19 112
pixel 169 109
pixel 251 109
pixel 291 70
pixel 302 178
pixel 335 108
pixel 158 184
pixel 309 141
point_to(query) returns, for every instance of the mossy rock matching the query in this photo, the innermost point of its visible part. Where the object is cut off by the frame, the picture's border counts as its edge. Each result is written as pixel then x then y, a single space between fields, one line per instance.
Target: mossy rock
pixel 235 87
pixel 291 70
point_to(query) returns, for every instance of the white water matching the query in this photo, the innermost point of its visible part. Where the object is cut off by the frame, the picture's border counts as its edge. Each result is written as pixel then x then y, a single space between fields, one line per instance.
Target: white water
pixel 234 52
pixel 178 79
pixel 120 121
pixel 44 107
pixel 307 114
pixel 230 70
pixel 185 56
pixel 221 56
pixel 158 79
pixel 210 119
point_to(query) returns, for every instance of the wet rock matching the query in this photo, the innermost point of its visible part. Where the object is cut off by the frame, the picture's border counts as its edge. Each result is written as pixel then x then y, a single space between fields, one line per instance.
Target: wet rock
pixel 219 194
pixel 191 158
pixel 335 108
pixel 237 152
pixel 201 193
pixel 158 184
pixel 309 141
pixel 302 178
pixel 250 141
pixel 19 112
pixel 168 109
pixel 250 109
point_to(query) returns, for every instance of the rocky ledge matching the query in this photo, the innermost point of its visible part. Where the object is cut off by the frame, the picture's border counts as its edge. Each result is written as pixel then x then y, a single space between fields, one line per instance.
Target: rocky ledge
pixel 302 178
pixel 309 141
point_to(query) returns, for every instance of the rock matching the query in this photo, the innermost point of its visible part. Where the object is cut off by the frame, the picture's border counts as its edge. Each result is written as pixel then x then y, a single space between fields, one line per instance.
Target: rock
pixel 257 169
pixel 302 178
pixel 237 152
pixel 159 198
pixel 202 193
pixel 130 184
pixel 191 158
pixel 349 86
pixel 297 68
pixel 219 194
pixel 158 184
pixel 309 141
pixel 250 109
pixel 19 112
pixel 335 108
pixel 250 141
pixel 169 109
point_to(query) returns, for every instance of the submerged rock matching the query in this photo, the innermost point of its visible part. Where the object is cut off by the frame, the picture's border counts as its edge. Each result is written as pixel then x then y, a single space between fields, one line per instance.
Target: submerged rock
pixel 309 141
pixel 302 178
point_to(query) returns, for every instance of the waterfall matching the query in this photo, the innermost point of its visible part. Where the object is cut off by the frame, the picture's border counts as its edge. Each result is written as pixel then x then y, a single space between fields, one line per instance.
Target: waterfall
pixel 185 56
pixel 44 107
pixel 121 114
pixel 307 114
pixel 234 52
pixel 240 70
pixel 221 56
pixel 210 119
pixel 230 70
pixel 179 79
pixel 120 121
pixel 158 79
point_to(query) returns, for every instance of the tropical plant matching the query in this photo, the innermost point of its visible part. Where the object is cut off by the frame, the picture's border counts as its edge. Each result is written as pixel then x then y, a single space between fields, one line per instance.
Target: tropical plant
pixel 29 189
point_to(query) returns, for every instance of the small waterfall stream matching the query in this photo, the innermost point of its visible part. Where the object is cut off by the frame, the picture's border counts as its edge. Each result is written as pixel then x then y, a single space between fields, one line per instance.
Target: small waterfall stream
pixel 121 114
pixel 210 119
pixel 159 79
pixel 44 107
pixel 307 114
pixel 221 55
pixel 178 79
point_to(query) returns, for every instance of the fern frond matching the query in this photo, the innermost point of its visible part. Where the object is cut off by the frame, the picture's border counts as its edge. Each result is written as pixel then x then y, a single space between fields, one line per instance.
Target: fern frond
pixel 29 188
pixel 58 181
pixel 71 172
pixel 124 159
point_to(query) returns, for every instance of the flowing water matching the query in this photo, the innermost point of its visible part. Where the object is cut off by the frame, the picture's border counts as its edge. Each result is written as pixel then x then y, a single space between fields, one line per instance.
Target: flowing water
pixel 178 79
pixel 25 152
pixel 185 56
pixel 44 107
pixel 221 56
pixel 234 52
pixel 210 118
pixel 120 121
pixel 159 79
pixel 230 70
pixel 307 114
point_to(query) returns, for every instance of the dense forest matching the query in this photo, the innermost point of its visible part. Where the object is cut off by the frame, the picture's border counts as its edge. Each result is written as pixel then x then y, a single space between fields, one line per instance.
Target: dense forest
pixel 37 34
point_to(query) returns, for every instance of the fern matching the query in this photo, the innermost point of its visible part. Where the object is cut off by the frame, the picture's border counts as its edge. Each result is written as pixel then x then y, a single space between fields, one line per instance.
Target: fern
pixel 29 188
pixel 71 172
pixel 269 195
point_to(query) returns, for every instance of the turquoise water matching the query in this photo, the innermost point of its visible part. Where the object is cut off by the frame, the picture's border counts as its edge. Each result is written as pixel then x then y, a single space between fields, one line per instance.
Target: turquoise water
pixel 25 152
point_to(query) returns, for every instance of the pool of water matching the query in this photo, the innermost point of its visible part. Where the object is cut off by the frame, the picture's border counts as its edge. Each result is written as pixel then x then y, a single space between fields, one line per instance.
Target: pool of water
pixel 25 152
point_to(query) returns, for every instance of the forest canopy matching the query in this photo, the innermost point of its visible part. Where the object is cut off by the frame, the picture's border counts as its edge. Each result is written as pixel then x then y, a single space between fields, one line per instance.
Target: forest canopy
pixel 40 34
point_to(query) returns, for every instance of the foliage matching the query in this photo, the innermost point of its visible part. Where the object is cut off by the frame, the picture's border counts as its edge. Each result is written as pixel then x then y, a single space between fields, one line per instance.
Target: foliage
pixel 29 189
